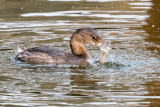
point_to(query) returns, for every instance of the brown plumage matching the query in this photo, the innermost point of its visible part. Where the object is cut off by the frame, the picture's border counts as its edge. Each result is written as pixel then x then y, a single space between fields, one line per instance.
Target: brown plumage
pixel 52 55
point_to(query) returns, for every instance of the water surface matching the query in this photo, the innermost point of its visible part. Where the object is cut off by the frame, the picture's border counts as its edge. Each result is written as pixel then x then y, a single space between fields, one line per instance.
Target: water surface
pixel 130 76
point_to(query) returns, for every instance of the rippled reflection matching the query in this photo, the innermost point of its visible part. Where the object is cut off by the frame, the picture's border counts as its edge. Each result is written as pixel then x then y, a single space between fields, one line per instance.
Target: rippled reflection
pixel 129 77
pixel 153 27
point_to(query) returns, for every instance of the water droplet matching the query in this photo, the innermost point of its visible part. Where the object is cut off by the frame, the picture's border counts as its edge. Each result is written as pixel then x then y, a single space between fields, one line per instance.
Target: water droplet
pixel 155 51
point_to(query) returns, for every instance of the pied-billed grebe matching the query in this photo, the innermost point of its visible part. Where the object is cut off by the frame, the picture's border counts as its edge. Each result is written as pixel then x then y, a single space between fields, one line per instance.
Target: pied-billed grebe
pixel 52 55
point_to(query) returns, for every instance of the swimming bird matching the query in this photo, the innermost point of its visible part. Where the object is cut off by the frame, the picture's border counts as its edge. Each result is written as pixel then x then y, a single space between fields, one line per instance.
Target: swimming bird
pixel 53 55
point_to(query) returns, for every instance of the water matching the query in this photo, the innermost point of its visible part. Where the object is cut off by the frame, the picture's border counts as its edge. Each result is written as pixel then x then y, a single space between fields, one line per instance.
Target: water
pixel 129 77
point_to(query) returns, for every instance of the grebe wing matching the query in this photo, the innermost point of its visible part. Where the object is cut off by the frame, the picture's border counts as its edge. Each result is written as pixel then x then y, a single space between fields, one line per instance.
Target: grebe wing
pixel 53 51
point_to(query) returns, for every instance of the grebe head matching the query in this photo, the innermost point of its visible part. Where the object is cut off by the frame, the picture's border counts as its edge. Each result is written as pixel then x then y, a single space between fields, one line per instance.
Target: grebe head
pixel 87 36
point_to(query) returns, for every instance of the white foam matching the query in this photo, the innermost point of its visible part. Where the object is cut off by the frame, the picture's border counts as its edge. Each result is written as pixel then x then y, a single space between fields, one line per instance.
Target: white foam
pixel 105 50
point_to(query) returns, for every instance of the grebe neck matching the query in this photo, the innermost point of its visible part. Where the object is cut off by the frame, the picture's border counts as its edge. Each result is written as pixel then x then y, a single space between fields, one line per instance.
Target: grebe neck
pixel 78 49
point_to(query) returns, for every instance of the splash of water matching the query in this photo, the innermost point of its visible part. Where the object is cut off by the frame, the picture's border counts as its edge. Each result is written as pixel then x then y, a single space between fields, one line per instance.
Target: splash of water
pixel 91 62
pixel 104 51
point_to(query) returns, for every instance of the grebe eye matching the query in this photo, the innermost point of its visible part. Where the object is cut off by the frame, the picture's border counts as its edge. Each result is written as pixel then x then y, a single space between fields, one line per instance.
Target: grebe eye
pixel 94 37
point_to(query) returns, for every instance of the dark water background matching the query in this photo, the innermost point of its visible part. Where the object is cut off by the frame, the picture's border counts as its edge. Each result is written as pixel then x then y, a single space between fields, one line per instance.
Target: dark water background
pixel 130 77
